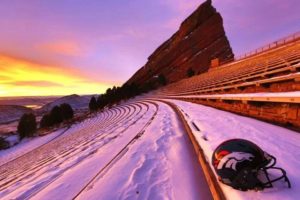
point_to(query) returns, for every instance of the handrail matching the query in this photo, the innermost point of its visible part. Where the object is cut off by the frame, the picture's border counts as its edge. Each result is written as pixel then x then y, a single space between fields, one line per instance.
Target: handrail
pixel 275 44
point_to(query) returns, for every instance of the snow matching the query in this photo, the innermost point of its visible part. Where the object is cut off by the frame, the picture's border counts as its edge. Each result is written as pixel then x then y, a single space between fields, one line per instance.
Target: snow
pixel 26 145
pixel 194 88
pixel 257 94
pixel 104 147
pixel 12 139
pixel 217 126
pixel 152 169
pixel 149 166
pixel 139 150
pixel 7 129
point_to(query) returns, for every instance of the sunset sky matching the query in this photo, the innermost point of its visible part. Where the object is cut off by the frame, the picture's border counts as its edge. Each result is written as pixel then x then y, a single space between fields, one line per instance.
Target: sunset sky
pixel 60 47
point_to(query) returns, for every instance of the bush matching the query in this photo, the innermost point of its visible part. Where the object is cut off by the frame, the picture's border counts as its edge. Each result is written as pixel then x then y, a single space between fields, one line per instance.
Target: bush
pixel 3 144
pixel 116 94
pixel 46 121
pixel 190 72
pixel 56 115
pixel 67 111
pixel 27 126
pixel 162 79
pixel 101 102
pixel 93 104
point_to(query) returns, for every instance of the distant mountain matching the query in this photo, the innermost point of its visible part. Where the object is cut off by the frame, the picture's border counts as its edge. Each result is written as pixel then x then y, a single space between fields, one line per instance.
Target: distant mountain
pixel 31 102
pixel 9 113
pixel 76 101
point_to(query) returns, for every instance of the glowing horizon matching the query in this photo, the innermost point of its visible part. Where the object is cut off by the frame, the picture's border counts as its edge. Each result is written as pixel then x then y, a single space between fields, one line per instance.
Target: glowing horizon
pixel 58 48
pixel 23 78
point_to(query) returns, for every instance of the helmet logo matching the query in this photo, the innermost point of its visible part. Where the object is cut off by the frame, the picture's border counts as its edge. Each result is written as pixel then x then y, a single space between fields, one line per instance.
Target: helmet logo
pixel 232 159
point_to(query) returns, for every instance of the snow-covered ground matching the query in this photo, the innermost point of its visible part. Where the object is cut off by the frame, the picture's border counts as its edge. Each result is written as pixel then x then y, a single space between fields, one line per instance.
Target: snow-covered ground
pixel 161 165
pixel 139 150
pixel 7 129
pixel 217 126
pixel 294 94
pixel 26 145
pixel 133 151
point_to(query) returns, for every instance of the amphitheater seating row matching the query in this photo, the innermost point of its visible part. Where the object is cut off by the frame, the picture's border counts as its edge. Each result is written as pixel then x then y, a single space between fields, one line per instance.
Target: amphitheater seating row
pixel 81 139
pixel 277 65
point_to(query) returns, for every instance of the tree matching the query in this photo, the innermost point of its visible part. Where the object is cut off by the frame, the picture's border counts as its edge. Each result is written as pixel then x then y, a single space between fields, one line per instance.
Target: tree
pixel 162 79
pixel 46 121
pixel 67 111
pixel 56 115
pixel 101 103
pixel 3 144
pixel 27 125
pixel 93 104
pixel 190 72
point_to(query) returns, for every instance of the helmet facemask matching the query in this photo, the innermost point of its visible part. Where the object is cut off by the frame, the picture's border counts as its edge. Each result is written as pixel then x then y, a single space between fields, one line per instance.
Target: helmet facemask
pixel 261 177
pixel 268 174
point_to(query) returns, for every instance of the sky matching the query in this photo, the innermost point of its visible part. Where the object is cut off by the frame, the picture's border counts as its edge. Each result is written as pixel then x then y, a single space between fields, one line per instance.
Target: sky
pixel 61 47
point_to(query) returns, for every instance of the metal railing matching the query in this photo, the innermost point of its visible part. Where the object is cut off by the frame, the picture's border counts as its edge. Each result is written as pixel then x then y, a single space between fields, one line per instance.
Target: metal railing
pixel 281 42
pixel 272 45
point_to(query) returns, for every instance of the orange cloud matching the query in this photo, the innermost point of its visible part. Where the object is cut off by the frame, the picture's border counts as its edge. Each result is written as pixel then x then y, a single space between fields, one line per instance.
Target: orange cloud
pixel 34 83
pixel 67 48
pixel 24 78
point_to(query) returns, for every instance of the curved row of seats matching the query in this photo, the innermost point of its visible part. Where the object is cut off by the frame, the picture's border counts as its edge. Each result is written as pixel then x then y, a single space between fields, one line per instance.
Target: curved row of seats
pixel 277 65
pixel 81 139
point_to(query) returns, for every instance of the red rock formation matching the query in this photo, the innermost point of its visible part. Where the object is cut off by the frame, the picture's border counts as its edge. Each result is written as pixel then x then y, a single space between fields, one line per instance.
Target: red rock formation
pixel 200 39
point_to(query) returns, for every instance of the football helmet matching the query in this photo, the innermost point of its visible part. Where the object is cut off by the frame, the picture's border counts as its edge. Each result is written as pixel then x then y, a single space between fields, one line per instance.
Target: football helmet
pixel 242 165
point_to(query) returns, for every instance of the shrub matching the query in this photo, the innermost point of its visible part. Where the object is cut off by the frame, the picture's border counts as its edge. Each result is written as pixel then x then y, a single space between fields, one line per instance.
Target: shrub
pixel 162 79
pixel 190 72
pixel 93 104
pixel 27 126
pixel 56 115
pixel 101 102
pixel 46 121
pixel 3 144
pixel 67 111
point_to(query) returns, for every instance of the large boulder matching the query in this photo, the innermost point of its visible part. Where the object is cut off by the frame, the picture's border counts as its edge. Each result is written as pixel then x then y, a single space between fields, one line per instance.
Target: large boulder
pixel 200 39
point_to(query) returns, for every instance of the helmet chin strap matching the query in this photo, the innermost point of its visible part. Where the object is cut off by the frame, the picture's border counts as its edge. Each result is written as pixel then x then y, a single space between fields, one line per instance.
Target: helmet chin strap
pixel 271 163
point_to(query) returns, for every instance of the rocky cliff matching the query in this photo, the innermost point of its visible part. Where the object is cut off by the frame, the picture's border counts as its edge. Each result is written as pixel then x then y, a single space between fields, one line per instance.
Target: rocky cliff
pixel 200 38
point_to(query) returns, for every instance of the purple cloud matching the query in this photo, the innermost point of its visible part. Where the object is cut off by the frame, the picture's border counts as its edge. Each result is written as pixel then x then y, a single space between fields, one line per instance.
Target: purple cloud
pixel 109 40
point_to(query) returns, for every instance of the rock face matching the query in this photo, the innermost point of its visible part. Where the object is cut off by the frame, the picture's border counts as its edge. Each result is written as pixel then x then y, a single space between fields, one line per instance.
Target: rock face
pixel 200 39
